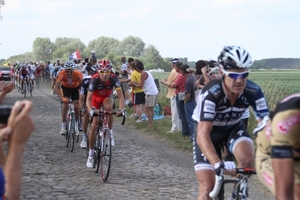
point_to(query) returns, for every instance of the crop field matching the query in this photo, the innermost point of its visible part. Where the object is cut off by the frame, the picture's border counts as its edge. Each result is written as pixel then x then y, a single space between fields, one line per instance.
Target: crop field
pixel 275 84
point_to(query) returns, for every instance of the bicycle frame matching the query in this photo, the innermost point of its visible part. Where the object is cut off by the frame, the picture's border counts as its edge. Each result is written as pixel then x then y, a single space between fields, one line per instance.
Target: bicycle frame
pixel 70 123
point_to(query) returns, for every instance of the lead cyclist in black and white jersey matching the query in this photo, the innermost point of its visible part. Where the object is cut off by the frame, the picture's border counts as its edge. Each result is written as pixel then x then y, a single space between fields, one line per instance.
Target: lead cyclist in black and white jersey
pixel 219 111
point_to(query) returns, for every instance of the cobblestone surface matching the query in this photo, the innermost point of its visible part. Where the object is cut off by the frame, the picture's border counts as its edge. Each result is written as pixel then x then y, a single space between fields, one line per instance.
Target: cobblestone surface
pixel 142 168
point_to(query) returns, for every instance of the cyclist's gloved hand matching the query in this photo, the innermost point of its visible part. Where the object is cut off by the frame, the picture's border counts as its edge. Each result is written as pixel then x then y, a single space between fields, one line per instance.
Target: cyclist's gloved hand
pixel 229 165
pixel 92 113
pixel 219 168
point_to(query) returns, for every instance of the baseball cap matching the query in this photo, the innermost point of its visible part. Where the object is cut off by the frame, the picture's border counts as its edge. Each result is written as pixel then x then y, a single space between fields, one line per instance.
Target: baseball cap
pixel 174 60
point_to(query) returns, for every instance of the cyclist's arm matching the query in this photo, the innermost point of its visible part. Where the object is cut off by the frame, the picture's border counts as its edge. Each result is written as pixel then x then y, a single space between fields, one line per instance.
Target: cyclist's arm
pixel 203 140
pixel 284 177
pixel 89 100
pixel 81 100
pixel 57 89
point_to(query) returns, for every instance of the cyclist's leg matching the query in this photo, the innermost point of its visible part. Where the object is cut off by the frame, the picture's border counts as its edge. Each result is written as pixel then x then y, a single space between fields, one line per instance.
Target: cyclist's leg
pixel 96 101
pixel 204 171
pixel 264 170
pixel 108 106
pixel 64 109
pixel 241 145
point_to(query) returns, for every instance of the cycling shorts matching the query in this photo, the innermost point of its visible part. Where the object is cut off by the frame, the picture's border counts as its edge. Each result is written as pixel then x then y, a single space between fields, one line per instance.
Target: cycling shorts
pixel 24 76
pixel 265 172
pixel 97 101
pixel 229 137
pixel 70 92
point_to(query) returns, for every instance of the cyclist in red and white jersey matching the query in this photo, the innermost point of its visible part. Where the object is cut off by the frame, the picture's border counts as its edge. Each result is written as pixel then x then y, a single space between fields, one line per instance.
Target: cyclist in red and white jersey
pixel 101 92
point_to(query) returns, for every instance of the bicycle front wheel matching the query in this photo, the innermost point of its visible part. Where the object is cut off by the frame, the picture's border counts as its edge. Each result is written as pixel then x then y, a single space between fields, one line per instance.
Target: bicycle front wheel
pixel 72 132
pixel 24 88
pixel 30 88
pixel 105 155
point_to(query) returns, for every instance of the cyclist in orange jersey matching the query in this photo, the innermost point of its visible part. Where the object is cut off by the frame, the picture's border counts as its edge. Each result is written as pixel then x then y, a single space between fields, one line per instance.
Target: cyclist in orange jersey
pixel 69 81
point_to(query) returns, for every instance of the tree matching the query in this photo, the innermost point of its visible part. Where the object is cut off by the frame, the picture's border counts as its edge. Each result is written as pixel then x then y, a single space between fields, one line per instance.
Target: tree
pixel 132 46
pixel 103 46
pixel 42 48
pixel 64 47
pixel 152 58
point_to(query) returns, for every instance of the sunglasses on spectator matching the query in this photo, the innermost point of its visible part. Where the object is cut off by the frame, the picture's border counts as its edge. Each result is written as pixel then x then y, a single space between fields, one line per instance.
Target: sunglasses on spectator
pixel 236 75
pixel 104 72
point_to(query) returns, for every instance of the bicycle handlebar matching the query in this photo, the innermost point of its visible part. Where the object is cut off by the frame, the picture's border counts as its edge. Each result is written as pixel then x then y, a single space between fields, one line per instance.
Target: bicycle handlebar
pixel 123 114
pixel 220 178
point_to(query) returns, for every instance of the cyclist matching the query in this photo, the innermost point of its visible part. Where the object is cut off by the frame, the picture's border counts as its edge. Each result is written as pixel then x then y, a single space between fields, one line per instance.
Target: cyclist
pixel 39 72
pixel 89 71
pixel 69 81
pixel 54 76
pixel 101 92
pixel 31 69
pixel 24 74
pixel 278 149
pixel 218 113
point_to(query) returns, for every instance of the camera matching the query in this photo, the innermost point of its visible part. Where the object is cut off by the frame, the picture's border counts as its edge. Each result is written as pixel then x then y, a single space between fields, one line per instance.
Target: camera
pixel 4 114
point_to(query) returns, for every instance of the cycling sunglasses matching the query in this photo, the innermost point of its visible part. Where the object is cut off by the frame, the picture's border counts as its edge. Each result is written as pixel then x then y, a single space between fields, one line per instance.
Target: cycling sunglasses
pixel 104 71
pixel 236 75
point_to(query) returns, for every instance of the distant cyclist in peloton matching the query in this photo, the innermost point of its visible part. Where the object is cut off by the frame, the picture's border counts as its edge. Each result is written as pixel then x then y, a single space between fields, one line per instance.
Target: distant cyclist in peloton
pixel 69 81
pixel 278 149
pixel 218 113
pixel 101 92
pixel 24 74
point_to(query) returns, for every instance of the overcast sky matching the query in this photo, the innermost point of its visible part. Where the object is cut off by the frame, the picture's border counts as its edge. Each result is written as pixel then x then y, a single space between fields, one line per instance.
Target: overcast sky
pixel 197 29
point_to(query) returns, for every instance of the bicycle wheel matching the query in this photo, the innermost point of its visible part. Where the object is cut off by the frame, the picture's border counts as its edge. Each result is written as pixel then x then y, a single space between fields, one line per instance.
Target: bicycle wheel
pixel 105 155
pixel 97 152
pixel 24 88
pixel 87 147
pixel 221 194
pixel 30 88
pixel 72 131
pixel 67 135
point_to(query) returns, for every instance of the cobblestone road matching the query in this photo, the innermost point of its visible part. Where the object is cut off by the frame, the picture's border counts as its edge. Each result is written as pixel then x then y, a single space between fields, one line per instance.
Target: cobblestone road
pixel 142 168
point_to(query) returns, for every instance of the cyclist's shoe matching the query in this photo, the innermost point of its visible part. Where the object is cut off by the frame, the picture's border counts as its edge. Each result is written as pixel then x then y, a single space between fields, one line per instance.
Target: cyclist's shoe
pixel 112 139
pixel 76 130
pixel 80 127
pixel 63 131
pixel 83 143
pixel 90 161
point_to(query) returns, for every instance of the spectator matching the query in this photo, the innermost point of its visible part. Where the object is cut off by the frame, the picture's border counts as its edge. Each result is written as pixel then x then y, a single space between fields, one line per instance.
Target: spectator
pixel 5 89
pixel 17 132
pixel 138 93
pixel 176 125
pixel 179 84
pixel 150 90
pixel 124 76
pixel 189 100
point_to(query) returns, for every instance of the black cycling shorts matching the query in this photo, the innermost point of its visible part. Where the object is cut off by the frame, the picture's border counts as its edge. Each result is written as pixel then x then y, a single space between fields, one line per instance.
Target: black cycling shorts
pixel 72 93
pixel 228 137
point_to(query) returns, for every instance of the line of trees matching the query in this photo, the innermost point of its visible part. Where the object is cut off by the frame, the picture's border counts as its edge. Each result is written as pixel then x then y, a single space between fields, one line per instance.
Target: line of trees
pixel 277 63
pixel 105 48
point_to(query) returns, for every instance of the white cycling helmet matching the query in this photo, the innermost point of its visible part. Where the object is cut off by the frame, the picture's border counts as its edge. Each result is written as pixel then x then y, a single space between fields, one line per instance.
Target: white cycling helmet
pixel 69 65
pixel 234 57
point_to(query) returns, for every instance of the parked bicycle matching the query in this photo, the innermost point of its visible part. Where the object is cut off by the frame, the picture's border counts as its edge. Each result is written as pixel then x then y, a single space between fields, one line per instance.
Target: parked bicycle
pixel 240 191
pixel 103 147
pixel 70 135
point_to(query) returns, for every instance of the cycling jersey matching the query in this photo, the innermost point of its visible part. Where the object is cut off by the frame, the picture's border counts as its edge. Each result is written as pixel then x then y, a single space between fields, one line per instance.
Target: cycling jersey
pixel 70 82
pixel 24 71
pixel 280 139
pixel 215 107
pixel 102 89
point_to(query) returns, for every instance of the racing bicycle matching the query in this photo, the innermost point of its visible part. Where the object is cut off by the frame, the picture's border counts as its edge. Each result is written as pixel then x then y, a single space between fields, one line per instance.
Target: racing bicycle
pixel 103 147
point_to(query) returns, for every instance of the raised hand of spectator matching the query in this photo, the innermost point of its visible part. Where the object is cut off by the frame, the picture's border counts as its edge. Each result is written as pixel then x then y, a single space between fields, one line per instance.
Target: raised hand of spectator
pixel 7 88
pixel 20 122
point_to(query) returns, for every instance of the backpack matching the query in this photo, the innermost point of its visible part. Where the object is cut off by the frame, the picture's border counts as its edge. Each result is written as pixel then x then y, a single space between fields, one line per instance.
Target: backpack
pixel 167 111
pixel 157 109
